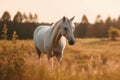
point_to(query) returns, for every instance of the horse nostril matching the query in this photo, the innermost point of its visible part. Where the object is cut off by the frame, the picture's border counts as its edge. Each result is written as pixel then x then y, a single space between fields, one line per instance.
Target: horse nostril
pixel 71 42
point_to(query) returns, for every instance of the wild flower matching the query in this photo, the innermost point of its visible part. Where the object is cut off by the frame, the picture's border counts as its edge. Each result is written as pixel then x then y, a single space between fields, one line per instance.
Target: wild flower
pixel 4 31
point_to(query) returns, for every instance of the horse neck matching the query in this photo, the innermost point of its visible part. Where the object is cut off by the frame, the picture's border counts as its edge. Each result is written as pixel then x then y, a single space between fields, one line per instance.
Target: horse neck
pixel 56 34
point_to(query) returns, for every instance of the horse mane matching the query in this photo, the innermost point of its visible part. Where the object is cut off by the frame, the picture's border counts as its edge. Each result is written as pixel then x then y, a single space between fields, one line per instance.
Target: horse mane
pixel 56 37
pixel 54 25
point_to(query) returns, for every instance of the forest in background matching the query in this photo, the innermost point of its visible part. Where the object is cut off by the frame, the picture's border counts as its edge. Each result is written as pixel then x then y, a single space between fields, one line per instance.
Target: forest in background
pixel 24 25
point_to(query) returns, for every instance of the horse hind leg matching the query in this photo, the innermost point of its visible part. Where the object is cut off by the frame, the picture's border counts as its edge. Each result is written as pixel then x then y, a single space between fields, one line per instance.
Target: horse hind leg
pixel 38 52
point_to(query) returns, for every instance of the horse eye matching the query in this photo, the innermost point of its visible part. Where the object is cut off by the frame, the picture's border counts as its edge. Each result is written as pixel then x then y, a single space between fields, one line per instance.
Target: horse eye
pixel 65 29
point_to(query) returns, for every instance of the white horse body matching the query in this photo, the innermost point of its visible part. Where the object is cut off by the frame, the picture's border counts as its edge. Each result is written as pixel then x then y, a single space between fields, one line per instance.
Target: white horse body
pixel 42 39
pixel 51 40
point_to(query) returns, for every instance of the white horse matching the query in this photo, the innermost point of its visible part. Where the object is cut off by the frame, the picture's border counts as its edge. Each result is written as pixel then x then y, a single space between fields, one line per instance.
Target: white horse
pixel 51 39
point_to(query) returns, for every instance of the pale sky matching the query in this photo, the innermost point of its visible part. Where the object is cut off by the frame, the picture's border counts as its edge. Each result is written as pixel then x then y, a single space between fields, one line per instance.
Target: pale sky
pixel 53 10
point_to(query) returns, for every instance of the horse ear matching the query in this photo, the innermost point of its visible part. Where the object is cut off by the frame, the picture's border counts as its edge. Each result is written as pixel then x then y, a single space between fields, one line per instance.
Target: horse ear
pixel 63 18
pixel 72 18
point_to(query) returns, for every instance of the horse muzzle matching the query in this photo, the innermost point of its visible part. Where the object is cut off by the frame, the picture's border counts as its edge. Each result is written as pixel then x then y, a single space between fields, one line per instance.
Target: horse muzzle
pixel 71 42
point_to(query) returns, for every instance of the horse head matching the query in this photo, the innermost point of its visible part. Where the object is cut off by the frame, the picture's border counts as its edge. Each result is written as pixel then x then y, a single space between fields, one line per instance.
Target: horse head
pixel 68 29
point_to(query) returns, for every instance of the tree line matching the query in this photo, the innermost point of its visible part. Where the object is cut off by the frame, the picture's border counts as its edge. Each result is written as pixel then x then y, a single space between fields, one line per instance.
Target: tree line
pixel 24 25
pixel 98 29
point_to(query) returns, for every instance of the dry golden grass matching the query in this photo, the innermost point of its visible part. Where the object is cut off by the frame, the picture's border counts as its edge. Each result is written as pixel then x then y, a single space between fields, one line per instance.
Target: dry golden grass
pixel 88 59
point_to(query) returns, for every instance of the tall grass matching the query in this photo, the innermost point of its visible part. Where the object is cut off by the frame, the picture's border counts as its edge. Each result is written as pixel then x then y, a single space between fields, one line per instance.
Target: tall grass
pixel 88 59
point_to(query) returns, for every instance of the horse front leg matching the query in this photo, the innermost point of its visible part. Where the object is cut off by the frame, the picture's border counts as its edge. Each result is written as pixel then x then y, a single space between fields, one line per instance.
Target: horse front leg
pixel 59 58
pixel 58 55
pixel 50 59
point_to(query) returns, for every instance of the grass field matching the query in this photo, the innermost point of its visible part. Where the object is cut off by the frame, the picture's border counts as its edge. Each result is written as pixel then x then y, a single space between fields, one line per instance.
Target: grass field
pixel 88 59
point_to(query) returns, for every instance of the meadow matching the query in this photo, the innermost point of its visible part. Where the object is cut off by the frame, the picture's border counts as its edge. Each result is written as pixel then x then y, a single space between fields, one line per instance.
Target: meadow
pixel 88 59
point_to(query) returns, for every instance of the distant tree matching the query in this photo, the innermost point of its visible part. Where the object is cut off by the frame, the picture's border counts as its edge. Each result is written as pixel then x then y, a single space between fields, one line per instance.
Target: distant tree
pixel 30 17
pixel 18 17
pixel 81 29
pixel 99 19
pixel 6 16
pixel 118 22
pixel 84 19
pixel 108 23
pixel 98 27
pixel 114 22
pixel 25 18
pixel 35 18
